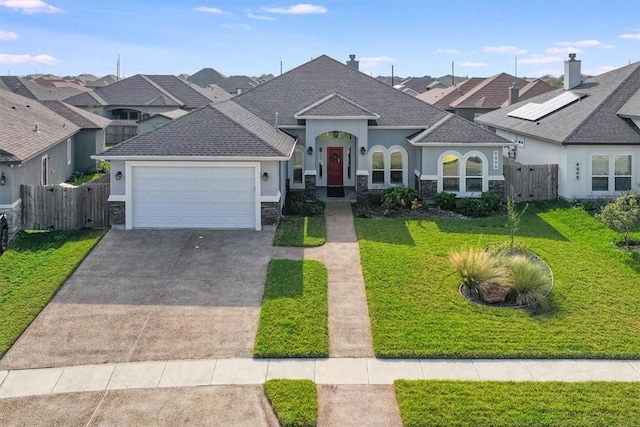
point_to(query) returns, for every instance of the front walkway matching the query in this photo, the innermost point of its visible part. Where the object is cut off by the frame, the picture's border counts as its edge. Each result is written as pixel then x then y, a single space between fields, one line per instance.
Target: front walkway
pixel 333 371
pixel 349 325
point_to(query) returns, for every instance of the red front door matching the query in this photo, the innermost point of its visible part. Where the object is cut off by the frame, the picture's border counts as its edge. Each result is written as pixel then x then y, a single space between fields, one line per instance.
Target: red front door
pixel 334 166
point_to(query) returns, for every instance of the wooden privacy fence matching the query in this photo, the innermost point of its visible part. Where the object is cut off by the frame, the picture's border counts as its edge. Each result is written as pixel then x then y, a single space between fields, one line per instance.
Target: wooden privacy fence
pixel 53 207
pixel 531 182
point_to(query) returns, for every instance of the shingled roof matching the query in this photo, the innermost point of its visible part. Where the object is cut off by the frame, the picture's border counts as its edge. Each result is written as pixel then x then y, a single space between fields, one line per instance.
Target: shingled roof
pixel 141 89
pixel 594 119
pixel 490 93
pixel 78 116
pixel 300 87
pixel 454 129
pixel 222 130
pixel 29 128
pixel 33 90
pixel 442 98
pixel 335 105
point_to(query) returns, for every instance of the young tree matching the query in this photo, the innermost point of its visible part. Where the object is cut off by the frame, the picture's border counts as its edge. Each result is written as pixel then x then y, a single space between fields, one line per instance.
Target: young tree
pixel 513 216
pixel 622 215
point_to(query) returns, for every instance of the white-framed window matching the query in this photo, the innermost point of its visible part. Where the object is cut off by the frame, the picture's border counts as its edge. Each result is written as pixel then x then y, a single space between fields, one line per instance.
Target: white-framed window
pixel 463 175
pixel 377 167
pixel 611 172
pixel 389 166
pixel 68 151
pixel 298 167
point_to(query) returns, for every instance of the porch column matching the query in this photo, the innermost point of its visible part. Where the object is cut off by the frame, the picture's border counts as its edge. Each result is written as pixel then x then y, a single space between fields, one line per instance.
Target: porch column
pixel 362 185
pixel 310 184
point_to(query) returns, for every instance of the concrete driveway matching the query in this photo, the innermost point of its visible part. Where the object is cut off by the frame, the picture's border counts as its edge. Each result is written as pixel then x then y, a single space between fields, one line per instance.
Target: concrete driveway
pixel 153 295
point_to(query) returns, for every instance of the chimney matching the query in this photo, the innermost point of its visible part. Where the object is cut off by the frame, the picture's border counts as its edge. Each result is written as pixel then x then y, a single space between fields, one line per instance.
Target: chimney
pixel 352 62
pixel 514 94
pixel 571 72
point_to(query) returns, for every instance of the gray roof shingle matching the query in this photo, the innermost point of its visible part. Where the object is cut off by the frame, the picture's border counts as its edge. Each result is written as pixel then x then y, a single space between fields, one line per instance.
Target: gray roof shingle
pixel 592 120
pixel 82 118
pixel 215 130
pixel 454 129
pixel 19 139
pixel 33 90
pixel 335 105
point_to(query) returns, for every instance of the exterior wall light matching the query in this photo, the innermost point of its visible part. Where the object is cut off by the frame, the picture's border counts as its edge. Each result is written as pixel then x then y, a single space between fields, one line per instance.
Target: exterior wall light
pixel 310 150
pixel 363 151
pixel 119 176
pixel 265 176
pixel 335 133
pixel 3 179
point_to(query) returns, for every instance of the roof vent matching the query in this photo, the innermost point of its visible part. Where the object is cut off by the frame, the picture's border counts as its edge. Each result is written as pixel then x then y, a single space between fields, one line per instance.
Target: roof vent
pixel 36 128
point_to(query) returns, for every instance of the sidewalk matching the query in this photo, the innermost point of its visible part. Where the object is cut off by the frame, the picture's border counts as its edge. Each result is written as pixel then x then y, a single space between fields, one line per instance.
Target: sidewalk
pixel 333 371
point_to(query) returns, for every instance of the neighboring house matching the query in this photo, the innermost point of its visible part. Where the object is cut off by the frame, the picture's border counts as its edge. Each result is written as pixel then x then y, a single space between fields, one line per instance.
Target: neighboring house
pixel 416 84
pixel 322 124
pixel 474 97
pixel 57 82
pixel 590 129
pixel 33 90
pixel 152 122
pixel 139 97
pixel 237 84
pixel 206 77
pixel 102 81
pixel 39 146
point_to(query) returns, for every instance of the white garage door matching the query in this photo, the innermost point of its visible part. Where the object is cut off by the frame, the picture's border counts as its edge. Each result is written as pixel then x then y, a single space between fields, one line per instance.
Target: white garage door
pixel 193 197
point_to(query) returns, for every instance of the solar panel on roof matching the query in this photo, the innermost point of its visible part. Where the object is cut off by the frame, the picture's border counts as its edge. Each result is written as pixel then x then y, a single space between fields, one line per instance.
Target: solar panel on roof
pixel 533 111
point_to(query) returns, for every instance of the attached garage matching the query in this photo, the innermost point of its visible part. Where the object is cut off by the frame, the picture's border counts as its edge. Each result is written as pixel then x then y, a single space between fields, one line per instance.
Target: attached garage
pixel 193 195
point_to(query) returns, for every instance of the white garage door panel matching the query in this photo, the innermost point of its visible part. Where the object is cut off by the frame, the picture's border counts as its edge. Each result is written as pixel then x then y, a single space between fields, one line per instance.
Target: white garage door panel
pixel 193 197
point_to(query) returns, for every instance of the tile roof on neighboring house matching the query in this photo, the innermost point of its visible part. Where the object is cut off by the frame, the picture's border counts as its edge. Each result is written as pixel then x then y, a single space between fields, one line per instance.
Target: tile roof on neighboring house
pixel 533 88
pixel 454 129
pixel 206 77
pixel 490 93
pixel 29 128
pixel 217 130
pixel 142 89
pixel 337 106
pixel 442 98
pixel 232 83
pixel 82 118
pixel 300 87
pixel 593 119
pixel 33 90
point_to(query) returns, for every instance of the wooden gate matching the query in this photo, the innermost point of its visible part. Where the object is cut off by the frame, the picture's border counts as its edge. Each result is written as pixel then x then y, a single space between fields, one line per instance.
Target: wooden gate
pixel 531 182
pixel 54 207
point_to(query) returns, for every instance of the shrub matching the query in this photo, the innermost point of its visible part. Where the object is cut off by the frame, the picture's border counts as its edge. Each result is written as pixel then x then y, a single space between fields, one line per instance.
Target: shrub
pixel 298 205
pixel 622 215
pixel 529 284
pixel 398 198
pixel 363 210
pixel 478 268
pixel 488 203
pixel 104 166
pixel 492 201
pixel 446 200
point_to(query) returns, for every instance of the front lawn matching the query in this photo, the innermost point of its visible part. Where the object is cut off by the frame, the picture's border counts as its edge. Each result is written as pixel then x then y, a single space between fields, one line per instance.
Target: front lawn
pixel 468 403
pixel 293 318
pixel 295 402
pixel 298 230
pixel 32 270
pixel 416 310
pixel 85 178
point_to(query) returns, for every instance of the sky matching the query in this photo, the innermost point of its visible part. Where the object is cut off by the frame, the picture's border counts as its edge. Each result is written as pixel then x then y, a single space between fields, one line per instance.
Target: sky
pixel 480 37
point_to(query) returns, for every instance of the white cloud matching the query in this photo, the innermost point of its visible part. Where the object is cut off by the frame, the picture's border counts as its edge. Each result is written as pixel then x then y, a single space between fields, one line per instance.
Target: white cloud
pixel 563 50
pixel 238 26
pixel 298 9
pixel 473 64
pixel 31 6
pixel 371 62
pixel 504 50
pixel 539 59
pixel 630 36
pixel 28 59
pixel 582 43
pixel 207 9
pixel 8 35
pixel 453 52
pixel 251 15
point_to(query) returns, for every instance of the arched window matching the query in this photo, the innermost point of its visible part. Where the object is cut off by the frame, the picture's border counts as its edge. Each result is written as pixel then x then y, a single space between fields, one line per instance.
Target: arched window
pixel 297 167
pixel 396 169
pixel 473 174
pixel 377 167
pixel 451 173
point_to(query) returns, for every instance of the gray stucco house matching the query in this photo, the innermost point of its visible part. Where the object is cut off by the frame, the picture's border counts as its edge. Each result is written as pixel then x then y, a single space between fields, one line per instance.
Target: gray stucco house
pixel 42 145
pixel 322 124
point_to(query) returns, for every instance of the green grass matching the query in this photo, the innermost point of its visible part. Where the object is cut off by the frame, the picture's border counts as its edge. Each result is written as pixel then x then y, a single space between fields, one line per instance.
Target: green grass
pixel 83 179
pixel 305 231
pixel 416 311
pixel 293 318
pixel 32 270
pixel 295 402
pixel 468 403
